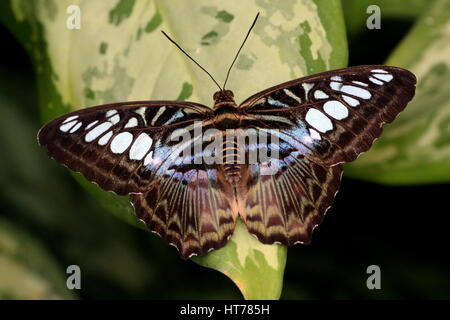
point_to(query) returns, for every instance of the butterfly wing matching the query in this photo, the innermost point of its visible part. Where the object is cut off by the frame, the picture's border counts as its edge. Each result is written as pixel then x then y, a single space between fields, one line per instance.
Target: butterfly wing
pixel 146 149
pixel 190 210
pixel 285 205
pixel 319 122
pixel 119 146
pixel 332 117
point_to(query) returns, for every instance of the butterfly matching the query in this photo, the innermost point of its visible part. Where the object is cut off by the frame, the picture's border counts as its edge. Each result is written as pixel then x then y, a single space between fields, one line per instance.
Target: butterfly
pixel 313 125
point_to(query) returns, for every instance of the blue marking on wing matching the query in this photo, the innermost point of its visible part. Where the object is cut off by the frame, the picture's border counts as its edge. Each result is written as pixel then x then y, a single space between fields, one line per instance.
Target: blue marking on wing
pixel 277 103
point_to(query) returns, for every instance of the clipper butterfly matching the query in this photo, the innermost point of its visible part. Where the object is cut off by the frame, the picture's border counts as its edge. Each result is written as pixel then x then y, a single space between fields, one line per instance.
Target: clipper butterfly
pixel 314 123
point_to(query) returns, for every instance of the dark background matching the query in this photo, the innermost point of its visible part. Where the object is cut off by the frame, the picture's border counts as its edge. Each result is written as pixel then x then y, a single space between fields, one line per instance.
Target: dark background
pixel 404 230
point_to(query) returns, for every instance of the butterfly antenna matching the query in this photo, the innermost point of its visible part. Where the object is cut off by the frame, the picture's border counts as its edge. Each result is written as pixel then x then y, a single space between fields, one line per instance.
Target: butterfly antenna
pixel 171 40
pixel 237 54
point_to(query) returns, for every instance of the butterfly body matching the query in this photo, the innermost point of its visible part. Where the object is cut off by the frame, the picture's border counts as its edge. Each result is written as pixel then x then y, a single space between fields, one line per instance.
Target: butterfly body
pixel 273 160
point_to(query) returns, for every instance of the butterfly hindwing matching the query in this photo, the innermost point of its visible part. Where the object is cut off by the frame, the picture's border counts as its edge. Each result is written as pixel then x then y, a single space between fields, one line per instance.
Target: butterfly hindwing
pixel 121 147
pixel 190 209
pixel 334 116
pixel 283 200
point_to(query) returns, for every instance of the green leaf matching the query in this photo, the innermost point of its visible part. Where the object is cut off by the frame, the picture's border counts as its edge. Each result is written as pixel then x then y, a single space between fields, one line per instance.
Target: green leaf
pixel 415 148
pixel 356 15
pixel 27 271
pixel 257 269
pixel 119 55
pixel 37 193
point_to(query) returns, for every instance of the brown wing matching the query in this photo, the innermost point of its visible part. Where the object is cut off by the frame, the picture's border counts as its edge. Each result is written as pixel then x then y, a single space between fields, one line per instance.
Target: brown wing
pixel 283 200
pixel 121 146
pixel 190 210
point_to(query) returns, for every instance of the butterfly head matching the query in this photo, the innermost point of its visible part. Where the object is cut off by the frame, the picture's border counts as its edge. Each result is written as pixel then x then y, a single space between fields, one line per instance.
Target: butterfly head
pixel 222 96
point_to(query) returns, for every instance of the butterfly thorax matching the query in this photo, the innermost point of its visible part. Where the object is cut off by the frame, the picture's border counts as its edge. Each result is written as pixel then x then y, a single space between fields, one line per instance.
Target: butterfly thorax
pixel 225 110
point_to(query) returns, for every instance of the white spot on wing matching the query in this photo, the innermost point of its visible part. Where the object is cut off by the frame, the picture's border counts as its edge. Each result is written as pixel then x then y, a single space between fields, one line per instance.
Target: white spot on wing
pixel 336 78
pixel 307 87
pixel 121 142
pixel 318 120
pixel 113 116
pixel 132 122
pixel 141 112
pixel 336 109
pixel 97 131
pixel 110 113
pixel 351 101
pixel 76 127
pixel 140 146
pixel 70 119
pixel 319 94
pixel 104 139
pixel 376 81
pixel 66 126
pixel 90 125
pixel 384 77
pixel 360 83
pixel 157 115
pixel 379 71
pixel 115 119
pixel 355 91
pixel 292 95
pixel 314 134
pixel 336 85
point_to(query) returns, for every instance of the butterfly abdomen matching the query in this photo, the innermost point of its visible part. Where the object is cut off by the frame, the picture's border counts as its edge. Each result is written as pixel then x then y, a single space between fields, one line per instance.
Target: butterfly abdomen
pixel 232 159
pixel 227 119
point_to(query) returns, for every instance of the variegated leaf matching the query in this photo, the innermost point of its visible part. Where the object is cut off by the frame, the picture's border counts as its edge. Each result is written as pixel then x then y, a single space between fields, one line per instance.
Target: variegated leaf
pixel 27 271
pixel 416 148
pixel 118 54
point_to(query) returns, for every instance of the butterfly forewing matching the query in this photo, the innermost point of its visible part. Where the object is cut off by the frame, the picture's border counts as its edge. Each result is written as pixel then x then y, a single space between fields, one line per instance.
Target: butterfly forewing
pixel 334 116
pixel 120 146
